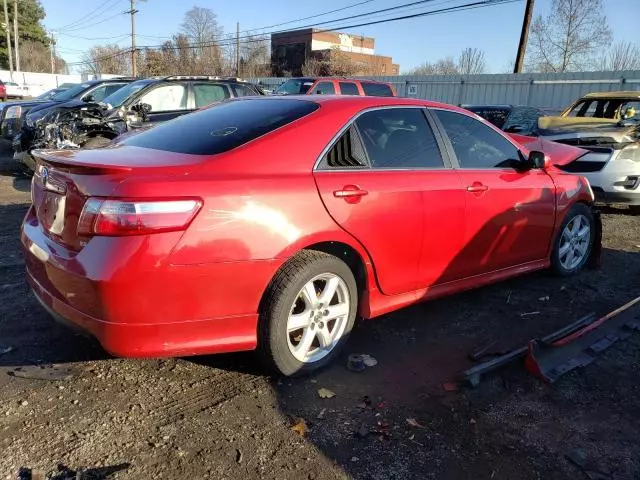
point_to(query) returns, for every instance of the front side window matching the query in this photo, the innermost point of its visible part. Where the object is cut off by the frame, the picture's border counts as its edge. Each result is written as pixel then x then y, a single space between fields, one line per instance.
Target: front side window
pixel 348 88
pixel 97 94
pixel 324 88
pixel 399 138
pixel 166 98
pixel 112 88
pixel 476 145
pixel 208 93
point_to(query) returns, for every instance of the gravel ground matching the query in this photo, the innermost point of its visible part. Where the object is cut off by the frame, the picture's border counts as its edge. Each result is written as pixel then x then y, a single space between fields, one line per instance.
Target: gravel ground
pixel 221 417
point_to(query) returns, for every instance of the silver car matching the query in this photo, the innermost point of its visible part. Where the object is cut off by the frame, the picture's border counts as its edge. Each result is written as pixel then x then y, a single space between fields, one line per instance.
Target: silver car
pixel 608 125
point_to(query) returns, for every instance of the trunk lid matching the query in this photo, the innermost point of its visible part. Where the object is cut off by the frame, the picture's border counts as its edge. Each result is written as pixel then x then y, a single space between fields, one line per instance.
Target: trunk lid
pixel 64 180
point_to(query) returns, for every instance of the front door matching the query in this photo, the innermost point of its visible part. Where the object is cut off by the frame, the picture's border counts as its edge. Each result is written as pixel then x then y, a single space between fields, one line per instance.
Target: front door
pixel 167 101
pixel 375 181
pixel 510 212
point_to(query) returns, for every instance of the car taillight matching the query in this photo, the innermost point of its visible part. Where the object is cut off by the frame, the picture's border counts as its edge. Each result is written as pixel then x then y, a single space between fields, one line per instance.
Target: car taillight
pixel 121 217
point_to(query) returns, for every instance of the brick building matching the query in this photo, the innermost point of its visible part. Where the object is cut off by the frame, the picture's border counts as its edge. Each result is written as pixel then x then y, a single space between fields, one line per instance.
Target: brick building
pixel 290 50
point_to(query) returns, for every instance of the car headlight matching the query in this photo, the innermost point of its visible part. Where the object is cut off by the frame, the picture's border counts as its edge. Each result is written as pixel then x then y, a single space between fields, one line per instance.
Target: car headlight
pixel 13 112
pixel 630 152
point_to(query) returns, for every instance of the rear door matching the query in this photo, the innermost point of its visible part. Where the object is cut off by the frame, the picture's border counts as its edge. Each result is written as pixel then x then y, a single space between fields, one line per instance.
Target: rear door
pixel 510 212
pixel 206 93
pixel 349 88
pixel 375 182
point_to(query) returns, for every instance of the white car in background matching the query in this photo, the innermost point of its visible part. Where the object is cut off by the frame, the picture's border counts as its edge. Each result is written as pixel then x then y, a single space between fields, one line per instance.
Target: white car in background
pixel 16 91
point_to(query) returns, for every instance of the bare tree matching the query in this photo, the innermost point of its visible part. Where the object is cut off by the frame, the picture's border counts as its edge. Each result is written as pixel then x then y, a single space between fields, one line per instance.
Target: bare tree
pixel 107 59
pixel 255 57
pixel 622 56
pixel 201 26
pixel 471 61
pixel 313 67
pixel 570 37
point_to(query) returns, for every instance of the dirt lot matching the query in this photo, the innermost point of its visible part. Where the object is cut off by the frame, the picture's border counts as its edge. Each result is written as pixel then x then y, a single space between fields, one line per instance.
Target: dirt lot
pixel 221 417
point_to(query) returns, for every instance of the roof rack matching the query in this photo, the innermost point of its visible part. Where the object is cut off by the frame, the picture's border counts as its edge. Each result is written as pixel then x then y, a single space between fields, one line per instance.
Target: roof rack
pixel 202 77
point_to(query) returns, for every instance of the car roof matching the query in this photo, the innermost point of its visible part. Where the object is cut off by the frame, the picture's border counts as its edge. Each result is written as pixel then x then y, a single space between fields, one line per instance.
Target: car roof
pixel 620 94
pixel 488 106
pixel 356 102
pixel 349 79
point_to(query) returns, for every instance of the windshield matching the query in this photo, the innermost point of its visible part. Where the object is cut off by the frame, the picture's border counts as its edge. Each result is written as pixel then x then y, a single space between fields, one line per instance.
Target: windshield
pixel 295 86
pixel 612 108
pixel 48 94
pixel 73 92
pixel 120 96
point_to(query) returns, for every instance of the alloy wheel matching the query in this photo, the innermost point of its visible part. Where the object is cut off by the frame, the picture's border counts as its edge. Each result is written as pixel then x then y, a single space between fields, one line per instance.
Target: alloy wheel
pixel 318 318
pixel 574 242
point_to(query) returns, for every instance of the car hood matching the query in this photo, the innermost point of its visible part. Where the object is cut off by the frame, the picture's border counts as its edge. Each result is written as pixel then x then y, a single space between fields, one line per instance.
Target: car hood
pixel 588 131
pixel 559 153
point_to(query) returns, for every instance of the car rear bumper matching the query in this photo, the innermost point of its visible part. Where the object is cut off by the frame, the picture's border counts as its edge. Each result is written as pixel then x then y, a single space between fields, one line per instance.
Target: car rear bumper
pixel 137 306
pixel 219 335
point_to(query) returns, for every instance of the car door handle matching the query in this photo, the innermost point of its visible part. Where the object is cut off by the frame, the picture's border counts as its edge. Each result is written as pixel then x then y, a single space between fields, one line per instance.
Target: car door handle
pixel 477 187
pixel 350 191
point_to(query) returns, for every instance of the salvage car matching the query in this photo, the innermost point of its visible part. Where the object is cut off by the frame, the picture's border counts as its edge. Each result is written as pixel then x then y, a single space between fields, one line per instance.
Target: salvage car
pixel 15 113
pixel 141 104
pixel 510 118
pixel 272 222
pixel 9 124
pixel 335 86
pixel 607 124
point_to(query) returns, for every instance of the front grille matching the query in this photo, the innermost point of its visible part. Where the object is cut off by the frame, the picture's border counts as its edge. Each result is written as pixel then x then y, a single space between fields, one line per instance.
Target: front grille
pixel 582 167
pixel 587 141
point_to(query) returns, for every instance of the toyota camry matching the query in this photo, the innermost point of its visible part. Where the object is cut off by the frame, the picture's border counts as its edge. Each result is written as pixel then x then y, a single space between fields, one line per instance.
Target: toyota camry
pixel 272 223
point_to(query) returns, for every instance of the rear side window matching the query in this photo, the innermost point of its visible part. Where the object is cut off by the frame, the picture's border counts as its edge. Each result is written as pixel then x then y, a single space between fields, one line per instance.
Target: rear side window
pixel 377 89
pixel 222 127
pixel 399 138
pixel 348 88
pixel 208 93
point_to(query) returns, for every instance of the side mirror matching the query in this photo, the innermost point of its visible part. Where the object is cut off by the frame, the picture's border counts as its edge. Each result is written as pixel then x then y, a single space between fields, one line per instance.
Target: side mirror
pixel 514 129
pixel 88 98
pixel 538 160
pixel 142 108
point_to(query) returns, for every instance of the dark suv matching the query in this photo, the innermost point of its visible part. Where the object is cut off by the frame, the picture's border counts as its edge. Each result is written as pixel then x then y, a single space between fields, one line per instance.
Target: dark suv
pixel 139 105
pixel 13 113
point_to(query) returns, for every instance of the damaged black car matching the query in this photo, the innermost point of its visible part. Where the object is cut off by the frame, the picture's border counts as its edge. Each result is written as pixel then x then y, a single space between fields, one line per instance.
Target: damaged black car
pixel 138 105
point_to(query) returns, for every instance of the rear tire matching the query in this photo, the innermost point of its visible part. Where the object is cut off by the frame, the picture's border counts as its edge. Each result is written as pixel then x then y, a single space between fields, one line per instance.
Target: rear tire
pixel 96 142
pixel 307 313
pixel 573 245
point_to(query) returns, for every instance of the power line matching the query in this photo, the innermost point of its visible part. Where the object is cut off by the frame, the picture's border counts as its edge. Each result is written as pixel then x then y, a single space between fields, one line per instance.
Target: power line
pixel 91 15
pixel 124 35
pixel 456 8
pixel 96 23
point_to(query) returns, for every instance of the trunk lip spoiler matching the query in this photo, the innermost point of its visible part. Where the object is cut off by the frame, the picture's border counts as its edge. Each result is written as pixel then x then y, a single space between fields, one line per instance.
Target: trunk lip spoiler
pixel 54 158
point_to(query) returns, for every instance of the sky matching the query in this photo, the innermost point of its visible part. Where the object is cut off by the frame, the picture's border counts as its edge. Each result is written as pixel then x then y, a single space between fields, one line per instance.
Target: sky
pixel 494 29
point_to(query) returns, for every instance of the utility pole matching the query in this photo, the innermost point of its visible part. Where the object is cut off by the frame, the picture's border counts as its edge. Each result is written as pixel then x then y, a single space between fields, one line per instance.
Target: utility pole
pixel 52 51
pixel 7 30
pixel 237 49
pixel 134 52
pixel 15 34
pixel 524 35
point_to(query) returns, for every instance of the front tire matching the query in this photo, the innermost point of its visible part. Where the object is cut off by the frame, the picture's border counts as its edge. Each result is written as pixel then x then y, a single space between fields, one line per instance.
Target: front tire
pixel 307 313
pixel 573 245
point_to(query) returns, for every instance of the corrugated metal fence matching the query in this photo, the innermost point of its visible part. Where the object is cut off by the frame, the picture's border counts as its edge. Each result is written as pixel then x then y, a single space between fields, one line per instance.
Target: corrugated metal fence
pixel 550 90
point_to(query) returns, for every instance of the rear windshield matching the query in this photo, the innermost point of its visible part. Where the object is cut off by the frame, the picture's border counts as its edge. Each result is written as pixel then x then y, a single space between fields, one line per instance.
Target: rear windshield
pixel 377 89
pixel 222 127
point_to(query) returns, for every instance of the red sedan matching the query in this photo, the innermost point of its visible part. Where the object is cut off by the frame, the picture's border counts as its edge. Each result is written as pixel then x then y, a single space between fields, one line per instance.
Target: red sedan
pixel 270 223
